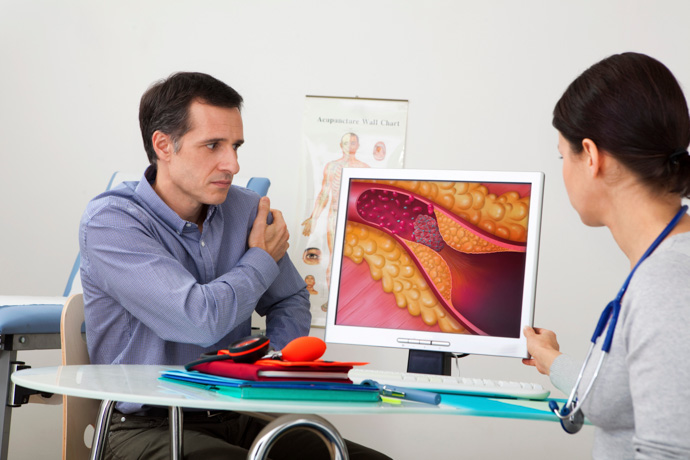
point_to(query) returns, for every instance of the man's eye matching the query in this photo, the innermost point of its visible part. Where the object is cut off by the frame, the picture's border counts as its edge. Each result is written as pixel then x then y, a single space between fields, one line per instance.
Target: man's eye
pixel 236 147
pixel 212 145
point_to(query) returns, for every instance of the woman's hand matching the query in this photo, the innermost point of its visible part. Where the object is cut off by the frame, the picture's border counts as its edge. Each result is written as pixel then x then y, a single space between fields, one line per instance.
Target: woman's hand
pixel 542 346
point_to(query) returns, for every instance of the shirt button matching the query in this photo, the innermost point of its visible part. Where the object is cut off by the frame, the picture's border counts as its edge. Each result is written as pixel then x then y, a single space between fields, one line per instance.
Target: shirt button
pixel 188 224
pixel 203 244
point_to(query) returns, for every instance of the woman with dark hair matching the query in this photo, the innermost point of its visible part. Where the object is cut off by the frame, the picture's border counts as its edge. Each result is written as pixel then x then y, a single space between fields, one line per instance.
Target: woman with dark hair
pixel 624 131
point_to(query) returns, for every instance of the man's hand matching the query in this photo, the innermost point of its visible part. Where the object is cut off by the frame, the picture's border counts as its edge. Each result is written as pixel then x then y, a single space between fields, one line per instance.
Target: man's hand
pixel 543 346
pixel 271 238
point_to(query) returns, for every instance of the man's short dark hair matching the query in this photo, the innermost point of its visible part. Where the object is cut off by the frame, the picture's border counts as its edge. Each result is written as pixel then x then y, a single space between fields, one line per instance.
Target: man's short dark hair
pixel 165 105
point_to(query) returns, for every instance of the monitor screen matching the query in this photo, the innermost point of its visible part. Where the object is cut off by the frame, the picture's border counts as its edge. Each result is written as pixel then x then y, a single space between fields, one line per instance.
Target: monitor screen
pixel 435 260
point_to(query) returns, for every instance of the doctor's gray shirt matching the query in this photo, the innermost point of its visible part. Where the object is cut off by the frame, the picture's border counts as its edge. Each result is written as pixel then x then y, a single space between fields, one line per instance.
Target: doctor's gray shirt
pixel 639 401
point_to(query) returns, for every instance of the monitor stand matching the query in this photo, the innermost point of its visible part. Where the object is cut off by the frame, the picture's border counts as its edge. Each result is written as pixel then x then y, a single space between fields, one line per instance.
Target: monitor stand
pixel 429 362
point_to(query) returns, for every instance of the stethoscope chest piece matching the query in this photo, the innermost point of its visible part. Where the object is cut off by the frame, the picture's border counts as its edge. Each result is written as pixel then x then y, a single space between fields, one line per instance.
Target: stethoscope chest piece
pixel 571 419
pixel 573 423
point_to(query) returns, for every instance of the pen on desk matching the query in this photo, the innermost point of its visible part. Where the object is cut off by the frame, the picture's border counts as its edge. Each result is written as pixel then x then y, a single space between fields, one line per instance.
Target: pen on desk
pixel 409 394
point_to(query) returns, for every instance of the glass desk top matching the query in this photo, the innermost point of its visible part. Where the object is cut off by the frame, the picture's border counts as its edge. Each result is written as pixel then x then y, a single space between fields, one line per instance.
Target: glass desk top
pixel 140 384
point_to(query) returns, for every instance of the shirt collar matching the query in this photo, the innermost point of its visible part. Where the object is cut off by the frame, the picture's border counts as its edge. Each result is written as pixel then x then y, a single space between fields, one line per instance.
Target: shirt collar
pixel 162 210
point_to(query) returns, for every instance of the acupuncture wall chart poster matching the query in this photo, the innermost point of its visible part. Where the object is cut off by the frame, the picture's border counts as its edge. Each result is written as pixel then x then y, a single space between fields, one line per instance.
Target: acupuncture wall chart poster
pixel 338 133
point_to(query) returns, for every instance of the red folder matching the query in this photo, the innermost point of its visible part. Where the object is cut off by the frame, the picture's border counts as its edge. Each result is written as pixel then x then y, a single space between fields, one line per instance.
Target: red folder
pixel 326 371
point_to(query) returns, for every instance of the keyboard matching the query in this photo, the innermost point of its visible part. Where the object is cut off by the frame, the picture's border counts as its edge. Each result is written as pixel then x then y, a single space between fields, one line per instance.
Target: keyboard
pixel 450 384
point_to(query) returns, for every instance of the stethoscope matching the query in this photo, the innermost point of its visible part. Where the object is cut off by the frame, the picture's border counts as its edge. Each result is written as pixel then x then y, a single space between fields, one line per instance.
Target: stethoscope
pixel 570 415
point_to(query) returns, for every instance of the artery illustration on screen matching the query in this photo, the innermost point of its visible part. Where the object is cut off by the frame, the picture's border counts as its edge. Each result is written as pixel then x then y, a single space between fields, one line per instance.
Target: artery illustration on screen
pixel 434 256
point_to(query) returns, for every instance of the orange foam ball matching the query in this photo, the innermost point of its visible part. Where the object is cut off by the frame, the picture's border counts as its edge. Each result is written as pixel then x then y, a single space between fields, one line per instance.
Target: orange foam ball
pixel 304 349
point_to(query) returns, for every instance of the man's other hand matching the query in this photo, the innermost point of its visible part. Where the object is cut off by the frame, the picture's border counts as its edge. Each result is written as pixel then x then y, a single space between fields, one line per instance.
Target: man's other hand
pixel 272 238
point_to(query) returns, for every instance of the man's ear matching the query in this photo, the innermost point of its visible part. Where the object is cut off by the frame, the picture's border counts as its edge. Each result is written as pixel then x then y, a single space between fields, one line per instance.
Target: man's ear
pixel 593 157
pixel 163 145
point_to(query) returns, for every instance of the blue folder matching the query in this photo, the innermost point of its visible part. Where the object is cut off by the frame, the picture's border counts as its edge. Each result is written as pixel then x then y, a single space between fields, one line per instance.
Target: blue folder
pixel 286 390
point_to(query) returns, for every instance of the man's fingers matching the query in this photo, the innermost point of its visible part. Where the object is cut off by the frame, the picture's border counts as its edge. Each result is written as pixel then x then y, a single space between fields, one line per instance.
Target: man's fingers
pixel 277 216
pixel 278 223
pixel 256 236
pixel 264 208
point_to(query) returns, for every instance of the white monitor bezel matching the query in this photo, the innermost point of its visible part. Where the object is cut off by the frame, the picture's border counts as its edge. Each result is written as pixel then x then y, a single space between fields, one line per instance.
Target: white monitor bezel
pixel 456 343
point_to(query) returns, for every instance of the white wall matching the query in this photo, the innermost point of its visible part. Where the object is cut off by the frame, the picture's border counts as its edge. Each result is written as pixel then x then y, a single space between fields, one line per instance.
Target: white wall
pixel 481 78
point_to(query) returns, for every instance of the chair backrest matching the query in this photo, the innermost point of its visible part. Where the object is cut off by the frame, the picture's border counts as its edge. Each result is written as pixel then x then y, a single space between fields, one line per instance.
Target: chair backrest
pixel 78 414
pixel 259 184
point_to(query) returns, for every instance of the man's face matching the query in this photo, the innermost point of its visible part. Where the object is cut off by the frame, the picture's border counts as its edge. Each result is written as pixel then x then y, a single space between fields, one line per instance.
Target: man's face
pixel 201 171
pixel 349 144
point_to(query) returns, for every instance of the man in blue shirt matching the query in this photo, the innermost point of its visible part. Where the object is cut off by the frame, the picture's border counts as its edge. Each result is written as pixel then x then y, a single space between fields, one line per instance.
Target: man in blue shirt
pixel 174 266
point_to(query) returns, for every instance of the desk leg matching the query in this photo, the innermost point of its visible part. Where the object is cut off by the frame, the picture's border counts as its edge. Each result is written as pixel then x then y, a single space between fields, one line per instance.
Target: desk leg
pixel 102 425
pixel 274 430
pixel 6 359
pixel 176 419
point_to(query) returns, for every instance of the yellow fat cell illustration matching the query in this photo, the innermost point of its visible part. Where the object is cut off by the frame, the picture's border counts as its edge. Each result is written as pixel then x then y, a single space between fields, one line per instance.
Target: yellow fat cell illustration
pixel 389 262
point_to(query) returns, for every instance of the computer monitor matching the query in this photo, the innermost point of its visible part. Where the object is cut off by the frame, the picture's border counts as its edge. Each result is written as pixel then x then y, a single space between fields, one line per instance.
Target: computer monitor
pixel 436 262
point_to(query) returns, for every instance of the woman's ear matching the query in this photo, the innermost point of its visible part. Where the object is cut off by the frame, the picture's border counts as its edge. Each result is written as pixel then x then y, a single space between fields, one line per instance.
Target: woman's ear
pixel 593 157
pixel 163 145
